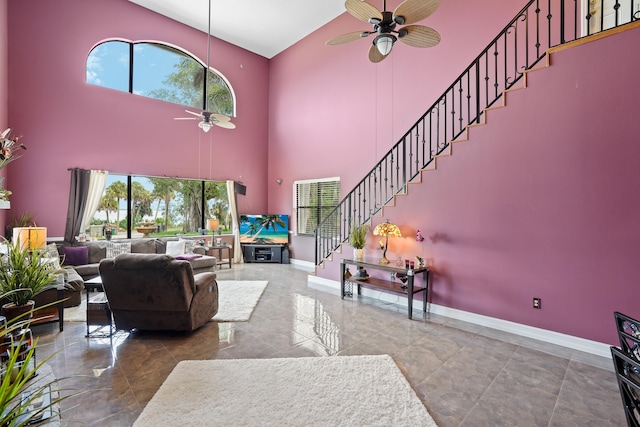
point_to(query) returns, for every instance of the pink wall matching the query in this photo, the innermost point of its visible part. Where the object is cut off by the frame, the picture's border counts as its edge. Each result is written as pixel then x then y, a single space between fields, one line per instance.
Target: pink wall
pixel 68 123
pixel 541 202
pixel 333 113
pixel 537 204
pixel 4 85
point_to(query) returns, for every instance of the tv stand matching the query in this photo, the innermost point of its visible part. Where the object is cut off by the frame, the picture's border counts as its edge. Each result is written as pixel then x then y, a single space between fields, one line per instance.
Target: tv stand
pixel 262 253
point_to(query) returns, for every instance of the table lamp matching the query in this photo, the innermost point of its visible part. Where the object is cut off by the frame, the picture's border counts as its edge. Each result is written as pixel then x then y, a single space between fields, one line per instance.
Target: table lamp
pixel 213 225
pixel 30 238
pixel 386 229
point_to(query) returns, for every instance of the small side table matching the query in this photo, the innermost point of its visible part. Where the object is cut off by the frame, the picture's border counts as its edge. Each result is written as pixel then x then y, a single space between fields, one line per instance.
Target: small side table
pixel 98 311
pixel 54 313
pixel 220 248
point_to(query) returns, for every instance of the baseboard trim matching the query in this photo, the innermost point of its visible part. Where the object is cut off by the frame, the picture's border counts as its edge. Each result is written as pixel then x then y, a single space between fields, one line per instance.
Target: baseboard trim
pixel 304 265
pixel 569 341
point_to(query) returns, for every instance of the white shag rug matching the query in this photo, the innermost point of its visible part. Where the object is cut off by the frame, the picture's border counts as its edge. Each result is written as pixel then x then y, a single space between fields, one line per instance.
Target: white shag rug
pixel 307 391
pixel 236 301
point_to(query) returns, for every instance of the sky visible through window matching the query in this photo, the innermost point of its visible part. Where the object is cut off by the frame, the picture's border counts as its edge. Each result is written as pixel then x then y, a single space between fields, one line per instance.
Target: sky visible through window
pixel 108 66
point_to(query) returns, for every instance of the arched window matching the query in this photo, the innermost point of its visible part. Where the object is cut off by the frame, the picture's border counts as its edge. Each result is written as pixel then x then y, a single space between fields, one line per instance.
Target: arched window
pixel 158 71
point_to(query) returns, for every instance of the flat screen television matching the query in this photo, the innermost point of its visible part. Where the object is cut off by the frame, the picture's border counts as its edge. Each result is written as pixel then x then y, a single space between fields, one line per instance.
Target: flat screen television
pixel 264 229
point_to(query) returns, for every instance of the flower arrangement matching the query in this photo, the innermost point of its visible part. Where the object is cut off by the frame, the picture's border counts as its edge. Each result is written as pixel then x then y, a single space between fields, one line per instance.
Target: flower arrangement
pixel 10 148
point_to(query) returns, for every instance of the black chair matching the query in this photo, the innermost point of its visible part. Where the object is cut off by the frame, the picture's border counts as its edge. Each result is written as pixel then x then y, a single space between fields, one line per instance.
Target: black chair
pixel 628 375
pixel 628 334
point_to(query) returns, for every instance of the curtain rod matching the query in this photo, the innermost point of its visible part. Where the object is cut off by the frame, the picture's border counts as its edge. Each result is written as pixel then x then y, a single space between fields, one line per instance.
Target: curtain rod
pixel 156 176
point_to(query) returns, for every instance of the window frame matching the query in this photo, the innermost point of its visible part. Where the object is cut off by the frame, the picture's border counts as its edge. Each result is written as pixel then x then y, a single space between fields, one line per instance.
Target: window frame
pixel 332 182
pixel 206 206
pixel 212 72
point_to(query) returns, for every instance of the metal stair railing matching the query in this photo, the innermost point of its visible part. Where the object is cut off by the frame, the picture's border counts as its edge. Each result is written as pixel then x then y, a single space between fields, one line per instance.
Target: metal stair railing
pixel 523 42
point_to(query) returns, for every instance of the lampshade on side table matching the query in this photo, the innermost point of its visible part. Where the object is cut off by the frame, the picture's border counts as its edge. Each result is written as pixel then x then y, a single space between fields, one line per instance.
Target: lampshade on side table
pixel 386 229
pixel 32 238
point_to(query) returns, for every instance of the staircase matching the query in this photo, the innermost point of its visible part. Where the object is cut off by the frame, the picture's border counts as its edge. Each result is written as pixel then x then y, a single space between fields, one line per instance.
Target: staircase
pixel 523 43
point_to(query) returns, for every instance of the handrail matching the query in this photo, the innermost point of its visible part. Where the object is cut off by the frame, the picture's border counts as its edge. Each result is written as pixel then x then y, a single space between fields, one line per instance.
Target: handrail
pixel 523 42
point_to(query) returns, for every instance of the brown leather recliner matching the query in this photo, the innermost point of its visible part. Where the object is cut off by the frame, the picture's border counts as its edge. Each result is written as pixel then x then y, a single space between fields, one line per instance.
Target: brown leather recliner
pixel 158 292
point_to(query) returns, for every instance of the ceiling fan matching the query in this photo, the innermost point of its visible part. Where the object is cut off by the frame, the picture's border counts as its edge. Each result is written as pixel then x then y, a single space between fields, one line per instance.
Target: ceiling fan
pixel 207 118
pixel 384 25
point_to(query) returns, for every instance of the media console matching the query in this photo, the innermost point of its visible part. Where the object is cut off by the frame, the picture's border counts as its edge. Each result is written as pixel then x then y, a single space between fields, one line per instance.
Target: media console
pixel 262 253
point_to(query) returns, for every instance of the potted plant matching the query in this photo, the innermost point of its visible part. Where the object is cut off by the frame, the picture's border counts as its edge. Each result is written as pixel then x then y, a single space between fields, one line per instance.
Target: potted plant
pixel 23 220
pixel 23 274
pixel 358 239
pixel 23 402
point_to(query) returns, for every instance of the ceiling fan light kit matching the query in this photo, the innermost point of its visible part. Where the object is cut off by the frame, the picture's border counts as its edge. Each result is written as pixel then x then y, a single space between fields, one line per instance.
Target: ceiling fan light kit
pixel 385 22
pixel 205 126
pixel 384 43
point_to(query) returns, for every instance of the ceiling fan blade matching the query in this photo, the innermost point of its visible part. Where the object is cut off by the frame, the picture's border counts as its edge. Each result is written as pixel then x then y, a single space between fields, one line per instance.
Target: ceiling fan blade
pixel 184 118
pixel 220 117
pixel 226 125
pixel 375 55
pixel 349 37
pixel 419 36
pixel 195 114
pixel 411 11
pixel 362 10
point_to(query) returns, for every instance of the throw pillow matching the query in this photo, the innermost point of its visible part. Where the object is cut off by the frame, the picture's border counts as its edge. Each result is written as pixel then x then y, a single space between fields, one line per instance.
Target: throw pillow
pixel 175 248
pixel 51 251
pixel 116 248
pixel 189 245
pixel 54 263
pixel 75 255
pixel 188 257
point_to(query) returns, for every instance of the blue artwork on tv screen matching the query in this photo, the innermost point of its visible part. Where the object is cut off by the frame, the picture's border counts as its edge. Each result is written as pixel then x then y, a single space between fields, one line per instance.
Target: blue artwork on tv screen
pixel 264 229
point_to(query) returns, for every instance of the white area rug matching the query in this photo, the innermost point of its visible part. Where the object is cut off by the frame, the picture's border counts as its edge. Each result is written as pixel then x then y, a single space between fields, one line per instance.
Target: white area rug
pixel 236 301
pixel 79 312
pixel 308 391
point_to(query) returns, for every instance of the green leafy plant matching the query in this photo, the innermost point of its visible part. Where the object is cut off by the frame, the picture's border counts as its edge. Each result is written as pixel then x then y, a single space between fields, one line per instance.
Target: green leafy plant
pixel 17 393
pixel 25 219
pixel 358 236
pixel 24 274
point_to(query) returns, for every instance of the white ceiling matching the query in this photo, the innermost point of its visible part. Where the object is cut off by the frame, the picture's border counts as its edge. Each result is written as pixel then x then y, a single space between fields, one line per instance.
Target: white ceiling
pixel 265 27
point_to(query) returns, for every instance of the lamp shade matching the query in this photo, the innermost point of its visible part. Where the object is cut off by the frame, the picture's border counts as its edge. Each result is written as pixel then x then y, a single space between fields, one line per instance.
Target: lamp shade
pixel 31 238
pixel 387 229
pixel 213 224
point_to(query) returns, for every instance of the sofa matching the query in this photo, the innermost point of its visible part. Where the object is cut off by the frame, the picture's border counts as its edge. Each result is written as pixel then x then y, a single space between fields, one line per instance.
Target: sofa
pixel 73 292
pixel 85 257
pixel 157 292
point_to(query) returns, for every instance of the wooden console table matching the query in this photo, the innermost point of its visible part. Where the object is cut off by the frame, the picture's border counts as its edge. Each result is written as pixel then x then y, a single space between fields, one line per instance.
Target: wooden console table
pixel 409 288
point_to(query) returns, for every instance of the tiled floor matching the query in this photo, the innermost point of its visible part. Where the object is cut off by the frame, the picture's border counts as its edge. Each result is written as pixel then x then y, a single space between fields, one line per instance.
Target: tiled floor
pixel 465 374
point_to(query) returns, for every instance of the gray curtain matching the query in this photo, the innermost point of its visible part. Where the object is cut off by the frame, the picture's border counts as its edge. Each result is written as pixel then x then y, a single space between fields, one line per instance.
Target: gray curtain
pixel 78 192
pixel 233 208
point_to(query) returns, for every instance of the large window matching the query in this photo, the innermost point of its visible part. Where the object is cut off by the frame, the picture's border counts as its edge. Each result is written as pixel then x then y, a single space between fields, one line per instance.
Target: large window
pixel 172 205
pixel 314 200
pixel 159 71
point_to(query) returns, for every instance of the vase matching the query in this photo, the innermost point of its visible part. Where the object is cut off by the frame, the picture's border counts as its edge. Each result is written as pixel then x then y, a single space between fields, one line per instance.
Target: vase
pixel 12 311
pixel 358 254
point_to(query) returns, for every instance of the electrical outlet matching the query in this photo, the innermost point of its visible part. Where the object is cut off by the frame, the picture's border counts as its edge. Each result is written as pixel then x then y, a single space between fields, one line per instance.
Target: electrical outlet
pixel 537 302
